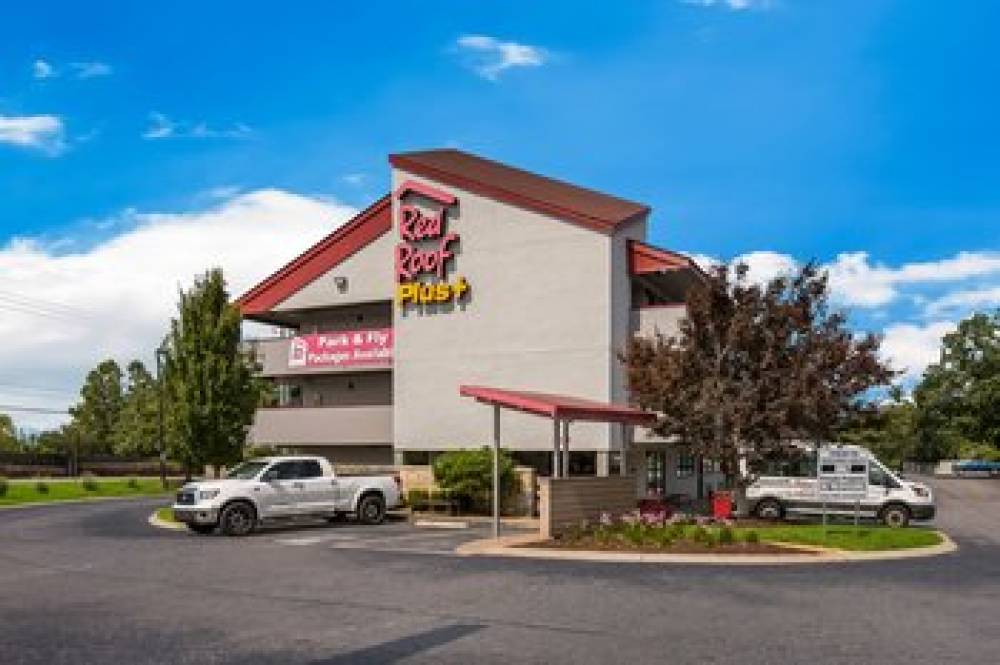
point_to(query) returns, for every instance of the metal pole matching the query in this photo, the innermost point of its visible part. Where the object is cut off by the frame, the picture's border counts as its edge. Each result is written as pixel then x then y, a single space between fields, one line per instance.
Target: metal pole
pixel 555 447
pixel 496 472
pixel 565 454
pixel 159 418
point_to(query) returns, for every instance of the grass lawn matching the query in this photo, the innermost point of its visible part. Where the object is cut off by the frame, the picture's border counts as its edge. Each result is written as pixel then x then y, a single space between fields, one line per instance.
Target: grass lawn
pixel 166 514
pixel 51 490
pixel 864 538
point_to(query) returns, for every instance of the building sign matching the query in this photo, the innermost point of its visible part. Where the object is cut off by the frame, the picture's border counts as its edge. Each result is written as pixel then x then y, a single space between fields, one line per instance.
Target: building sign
pixel 425 250
pixel 842 474
pixel 351 348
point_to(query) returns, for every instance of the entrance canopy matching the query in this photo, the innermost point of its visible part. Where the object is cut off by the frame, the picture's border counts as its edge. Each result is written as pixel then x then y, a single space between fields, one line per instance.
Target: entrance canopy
pixel 559 407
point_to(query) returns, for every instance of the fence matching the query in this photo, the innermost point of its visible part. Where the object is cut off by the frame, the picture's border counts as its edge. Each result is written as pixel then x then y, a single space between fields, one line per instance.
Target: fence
pixel 30 465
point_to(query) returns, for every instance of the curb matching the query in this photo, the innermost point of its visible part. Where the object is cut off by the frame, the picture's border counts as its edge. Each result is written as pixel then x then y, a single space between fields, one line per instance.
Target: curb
pixel 95 499
pixel 162 524
pixel 508 547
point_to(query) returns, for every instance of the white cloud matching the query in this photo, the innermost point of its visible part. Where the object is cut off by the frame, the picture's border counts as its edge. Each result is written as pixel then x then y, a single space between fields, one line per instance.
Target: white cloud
pixel 162 127
pixel 354 179
pixel 41 69
pixel 38 132
pixel 62 312
pixel 88 70
pixel 733 5
pixel 963 300
pixel 858 282
pixel 490 57
pixel 912 348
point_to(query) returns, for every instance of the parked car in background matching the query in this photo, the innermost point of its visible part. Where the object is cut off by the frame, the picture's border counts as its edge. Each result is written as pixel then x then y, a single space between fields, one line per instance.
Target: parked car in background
pixel 792 487
pixel 278 488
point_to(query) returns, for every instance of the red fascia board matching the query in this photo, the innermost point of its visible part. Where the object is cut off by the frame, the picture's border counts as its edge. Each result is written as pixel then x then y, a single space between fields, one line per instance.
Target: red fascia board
pixel 329 252
pixel 643 259
pixel 423 189
pixel 562 407
pixel 514 198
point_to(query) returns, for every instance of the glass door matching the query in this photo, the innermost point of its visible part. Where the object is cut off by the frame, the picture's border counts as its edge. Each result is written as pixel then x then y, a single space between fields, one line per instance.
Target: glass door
pixel 656 473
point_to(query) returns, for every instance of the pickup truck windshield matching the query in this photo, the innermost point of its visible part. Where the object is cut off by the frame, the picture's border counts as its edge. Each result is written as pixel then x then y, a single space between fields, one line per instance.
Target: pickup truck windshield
pixel 247 470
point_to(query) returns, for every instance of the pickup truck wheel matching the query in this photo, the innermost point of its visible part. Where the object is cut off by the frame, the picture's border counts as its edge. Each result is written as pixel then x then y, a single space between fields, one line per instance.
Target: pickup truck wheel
pixel 238 519
pixel 895 515
pixel 769 509
pixel 371 510
pixel 201 529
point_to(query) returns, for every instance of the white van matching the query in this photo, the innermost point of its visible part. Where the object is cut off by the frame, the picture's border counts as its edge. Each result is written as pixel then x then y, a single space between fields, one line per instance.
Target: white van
pixel 792 487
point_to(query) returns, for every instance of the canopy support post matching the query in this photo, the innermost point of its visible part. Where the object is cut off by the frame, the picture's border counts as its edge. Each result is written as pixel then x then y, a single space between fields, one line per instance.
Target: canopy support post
pixel 496 472
pixel 555 447
pixel 565 454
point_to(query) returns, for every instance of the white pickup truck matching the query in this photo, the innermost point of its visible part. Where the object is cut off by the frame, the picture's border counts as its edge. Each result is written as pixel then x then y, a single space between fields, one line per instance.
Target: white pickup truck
pixel 273 488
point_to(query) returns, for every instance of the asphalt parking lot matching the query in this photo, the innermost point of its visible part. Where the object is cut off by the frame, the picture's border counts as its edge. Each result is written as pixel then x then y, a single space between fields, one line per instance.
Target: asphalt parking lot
pixel 95 584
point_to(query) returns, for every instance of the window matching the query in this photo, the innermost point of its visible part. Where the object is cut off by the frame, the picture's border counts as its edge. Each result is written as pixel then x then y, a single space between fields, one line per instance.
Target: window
pixel 878 476
pixel 685 466
pixel 310 469
pixel 284 471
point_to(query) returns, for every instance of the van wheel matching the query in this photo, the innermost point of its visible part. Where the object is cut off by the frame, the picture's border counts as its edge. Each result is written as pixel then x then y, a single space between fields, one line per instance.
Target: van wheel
pixel 895 515
pixel 371 510
pixel 238 519
pixel 769 509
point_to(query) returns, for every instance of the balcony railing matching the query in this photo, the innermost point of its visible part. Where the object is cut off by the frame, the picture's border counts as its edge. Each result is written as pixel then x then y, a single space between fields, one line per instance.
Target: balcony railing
pixel 332 425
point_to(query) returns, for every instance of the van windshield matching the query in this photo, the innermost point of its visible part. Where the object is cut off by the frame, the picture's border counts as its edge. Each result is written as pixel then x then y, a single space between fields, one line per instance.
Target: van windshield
pixel 247 470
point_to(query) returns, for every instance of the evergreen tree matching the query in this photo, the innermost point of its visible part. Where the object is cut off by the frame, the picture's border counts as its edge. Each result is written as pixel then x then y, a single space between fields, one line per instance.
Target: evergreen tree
pixel 96 416
pixel 210 383
pixel 137 430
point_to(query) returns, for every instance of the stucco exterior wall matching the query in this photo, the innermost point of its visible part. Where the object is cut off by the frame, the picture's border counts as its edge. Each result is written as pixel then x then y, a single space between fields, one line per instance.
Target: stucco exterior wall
pixel 372 388
pixel 538 317
pixel 369 278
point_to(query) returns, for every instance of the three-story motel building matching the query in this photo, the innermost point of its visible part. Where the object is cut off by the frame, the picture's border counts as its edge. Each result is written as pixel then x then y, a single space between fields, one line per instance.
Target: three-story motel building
pixel 469 273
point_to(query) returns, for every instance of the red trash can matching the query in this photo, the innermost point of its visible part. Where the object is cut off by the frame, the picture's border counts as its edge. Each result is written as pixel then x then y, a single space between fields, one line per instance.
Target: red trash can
pixel 722 505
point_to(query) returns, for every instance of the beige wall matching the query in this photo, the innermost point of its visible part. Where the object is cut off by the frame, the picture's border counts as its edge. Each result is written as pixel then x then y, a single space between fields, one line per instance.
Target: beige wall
pixel 346 457
pixel 369 278
pixel 343 389
pixel 322 426
pixel 538 318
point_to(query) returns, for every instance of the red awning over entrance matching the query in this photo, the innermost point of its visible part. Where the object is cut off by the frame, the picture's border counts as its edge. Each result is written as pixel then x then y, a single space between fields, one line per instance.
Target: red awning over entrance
pixel 558 407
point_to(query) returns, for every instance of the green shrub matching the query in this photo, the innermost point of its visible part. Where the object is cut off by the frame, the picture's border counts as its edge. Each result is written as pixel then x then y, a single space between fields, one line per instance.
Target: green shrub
pixel 418 498
pixel 752 537
pixel 42 487
pixel 726 536
pixel 467 476
pixel 88 482
pixel 4 485
pixel 133 483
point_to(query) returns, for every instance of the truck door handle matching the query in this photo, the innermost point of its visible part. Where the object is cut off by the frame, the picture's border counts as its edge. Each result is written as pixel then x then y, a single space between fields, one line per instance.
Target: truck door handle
pixel 298 485
pixel 333 482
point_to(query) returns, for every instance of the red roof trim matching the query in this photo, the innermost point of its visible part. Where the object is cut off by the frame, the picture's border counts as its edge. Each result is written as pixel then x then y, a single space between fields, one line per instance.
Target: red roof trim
pixel 495 192
pixel 329 252
pixel 432 193
pixel 643 258
pixel 561 407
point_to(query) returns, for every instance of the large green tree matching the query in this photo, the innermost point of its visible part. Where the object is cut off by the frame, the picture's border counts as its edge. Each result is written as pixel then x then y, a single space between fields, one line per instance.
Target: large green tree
pixel 958 399
pixel 8 434
pixel 137 430
pixel 891 432
pixel 210 383
pixel 96 415
pixel 753 367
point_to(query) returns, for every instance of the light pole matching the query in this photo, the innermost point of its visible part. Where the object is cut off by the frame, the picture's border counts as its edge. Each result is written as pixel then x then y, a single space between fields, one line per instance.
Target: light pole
pixel 161 352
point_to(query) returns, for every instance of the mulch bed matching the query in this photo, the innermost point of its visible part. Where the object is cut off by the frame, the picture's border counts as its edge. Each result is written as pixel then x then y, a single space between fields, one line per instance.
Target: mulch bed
pixel 679 547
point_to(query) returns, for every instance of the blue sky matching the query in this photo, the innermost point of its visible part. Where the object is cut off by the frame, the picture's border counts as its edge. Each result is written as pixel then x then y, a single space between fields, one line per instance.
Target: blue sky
pixel 859 133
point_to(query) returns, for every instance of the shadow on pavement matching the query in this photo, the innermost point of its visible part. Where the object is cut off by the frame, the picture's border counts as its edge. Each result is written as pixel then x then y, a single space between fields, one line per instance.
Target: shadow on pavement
pixel 403 647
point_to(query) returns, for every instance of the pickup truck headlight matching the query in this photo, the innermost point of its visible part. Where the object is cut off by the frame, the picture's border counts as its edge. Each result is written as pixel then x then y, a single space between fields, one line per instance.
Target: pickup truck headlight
pixel 207 495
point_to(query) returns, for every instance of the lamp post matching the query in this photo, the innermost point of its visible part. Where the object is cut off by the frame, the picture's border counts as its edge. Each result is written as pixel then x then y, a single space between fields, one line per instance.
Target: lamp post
pixel 161 353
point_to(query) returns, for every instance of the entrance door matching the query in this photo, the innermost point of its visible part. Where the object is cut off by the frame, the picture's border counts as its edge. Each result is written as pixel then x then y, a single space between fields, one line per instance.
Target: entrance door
pixel 656 473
